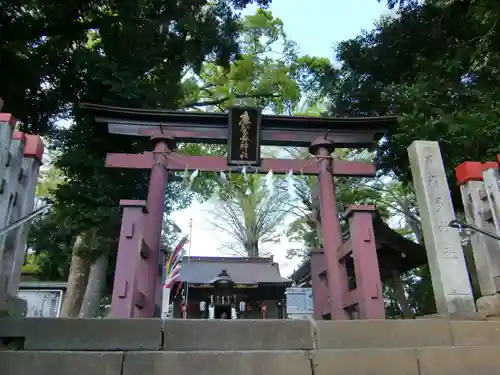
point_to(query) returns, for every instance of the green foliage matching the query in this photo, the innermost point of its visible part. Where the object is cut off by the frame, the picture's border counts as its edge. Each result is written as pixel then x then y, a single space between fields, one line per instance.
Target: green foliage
pixel 391 198
pixel 436 66
pixel 51 51
pixel 269 73
pixel 123 54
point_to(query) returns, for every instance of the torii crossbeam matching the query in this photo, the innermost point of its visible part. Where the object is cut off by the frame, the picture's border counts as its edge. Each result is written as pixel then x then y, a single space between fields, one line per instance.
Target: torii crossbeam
pixel 135 292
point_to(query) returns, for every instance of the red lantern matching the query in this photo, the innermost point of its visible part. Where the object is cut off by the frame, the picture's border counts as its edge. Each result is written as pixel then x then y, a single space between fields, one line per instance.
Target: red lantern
pixel 183 308
pixel 263 310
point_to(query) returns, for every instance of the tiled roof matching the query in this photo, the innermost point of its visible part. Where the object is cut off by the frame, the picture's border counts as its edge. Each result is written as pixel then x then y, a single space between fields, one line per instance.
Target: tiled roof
pixel 205 270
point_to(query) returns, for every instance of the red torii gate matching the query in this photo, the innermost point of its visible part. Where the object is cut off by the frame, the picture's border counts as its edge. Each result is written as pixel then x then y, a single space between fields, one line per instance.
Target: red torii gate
pixel 137 277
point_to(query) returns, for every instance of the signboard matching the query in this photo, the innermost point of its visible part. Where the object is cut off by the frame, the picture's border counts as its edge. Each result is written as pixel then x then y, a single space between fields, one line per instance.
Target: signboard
pixel 244 136
pixel 299 301
pixel 42 303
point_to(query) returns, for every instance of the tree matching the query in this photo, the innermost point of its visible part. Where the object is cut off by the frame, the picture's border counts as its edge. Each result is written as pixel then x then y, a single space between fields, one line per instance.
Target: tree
pixel 435 66
pixel 305 230
pixel 96 65
pixel 275 84
pixel 43 54
pixel 269 74
pixel 249 213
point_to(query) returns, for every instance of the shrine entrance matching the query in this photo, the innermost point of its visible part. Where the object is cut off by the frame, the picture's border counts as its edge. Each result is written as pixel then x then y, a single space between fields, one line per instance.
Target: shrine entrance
pixel 138 276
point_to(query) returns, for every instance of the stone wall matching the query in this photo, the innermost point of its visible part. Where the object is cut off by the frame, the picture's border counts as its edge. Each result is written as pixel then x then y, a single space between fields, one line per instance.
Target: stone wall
pixel 259 347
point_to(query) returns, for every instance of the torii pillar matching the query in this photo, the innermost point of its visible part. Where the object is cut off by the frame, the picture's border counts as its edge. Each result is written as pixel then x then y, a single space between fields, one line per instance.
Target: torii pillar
pixel 138 276
pixel 332 236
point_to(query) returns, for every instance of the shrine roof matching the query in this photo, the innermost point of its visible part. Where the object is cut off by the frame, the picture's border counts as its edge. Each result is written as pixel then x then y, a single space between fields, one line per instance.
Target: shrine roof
pixel 241 270
pixel 209 127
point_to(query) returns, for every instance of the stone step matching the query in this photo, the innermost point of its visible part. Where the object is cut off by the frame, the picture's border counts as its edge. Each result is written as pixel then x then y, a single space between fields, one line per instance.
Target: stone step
pixel 226 335
pixel 361 334
pixel 471 360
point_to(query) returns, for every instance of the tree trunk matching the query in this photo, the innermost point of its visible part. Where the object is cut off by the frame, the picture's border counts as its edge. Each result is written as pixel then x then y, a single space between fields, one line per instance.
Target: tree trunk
pixel 95 288
pixel 417 231
pixel 77 280
pixel 399 293
pixel 252 250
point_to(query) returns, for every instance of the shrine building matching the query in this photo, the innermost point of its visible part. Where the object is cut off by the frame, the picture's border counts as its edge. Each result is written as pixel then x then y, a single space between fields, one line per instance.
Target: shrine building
pixel 253 287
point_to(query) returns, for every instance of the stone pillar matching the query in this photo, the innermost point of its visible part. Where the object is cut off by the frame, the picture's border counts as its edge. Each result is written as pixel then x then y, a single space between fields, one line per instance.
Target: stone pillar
pixel 7 123
pixel 322 149
pixel 450 280
pixel 130 285
pixel 366 268
pixel 9 205
pixel 154 219
pixel 14 256
pixel 319 284
pixel 491 177
pixel 478 212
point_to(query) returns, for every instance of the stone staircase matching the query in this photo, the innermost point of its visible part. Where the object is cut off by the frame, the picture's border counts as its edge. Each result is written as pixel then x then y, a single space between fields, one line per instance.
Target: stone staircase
pixel 245 347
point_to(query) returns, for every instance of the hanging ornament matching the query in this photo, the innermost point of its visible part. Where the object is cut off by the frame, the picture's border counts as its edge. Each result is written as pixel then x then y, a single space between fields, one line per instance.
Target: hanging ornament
pixel 195 174
pixel 291 185
pixel 242 306
pixel 165 303
pixel 203 305
pixel 223 176
pixel 244 171
pixel 270 183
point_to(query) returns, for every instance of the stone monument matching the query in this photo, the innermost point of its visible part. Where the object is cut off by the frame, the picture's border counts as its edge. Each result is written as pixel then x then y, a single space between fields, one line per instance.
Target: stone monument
pixel 20 161
pixel 450 279
pixel 479 185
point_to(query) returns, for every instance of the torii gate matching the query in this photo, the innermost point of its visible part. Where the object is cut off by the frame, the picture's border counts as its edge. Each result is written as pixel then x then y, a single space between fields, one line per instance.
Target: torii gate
pixel 137 277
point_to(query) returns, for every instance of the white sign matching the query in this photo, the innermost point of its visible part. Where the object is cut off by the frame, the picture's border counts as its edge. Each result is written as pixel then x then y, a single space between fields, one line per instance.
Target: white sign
pixel 299 301
pixel 42 303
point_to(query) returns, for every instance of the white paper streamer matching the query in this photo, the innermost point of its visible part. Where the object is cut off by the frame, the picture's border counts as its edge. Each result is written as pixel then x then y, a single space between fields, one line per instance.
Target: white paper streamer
pixel 193 175
pixel 223 176
pixel 245 175
pixel 270 183
pixel 186 176
pixel 291 185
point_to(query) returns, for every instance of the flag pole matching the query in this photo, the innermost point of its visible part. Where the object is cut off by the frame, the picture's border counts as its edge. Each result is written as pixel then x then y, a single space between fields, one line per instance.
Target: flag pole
pixel 189 255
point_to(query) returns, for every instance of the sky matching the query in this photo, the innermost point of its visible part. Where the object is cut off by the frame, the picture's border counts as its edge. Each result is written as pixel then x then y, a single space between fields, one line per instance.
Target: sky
pixel 316 26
